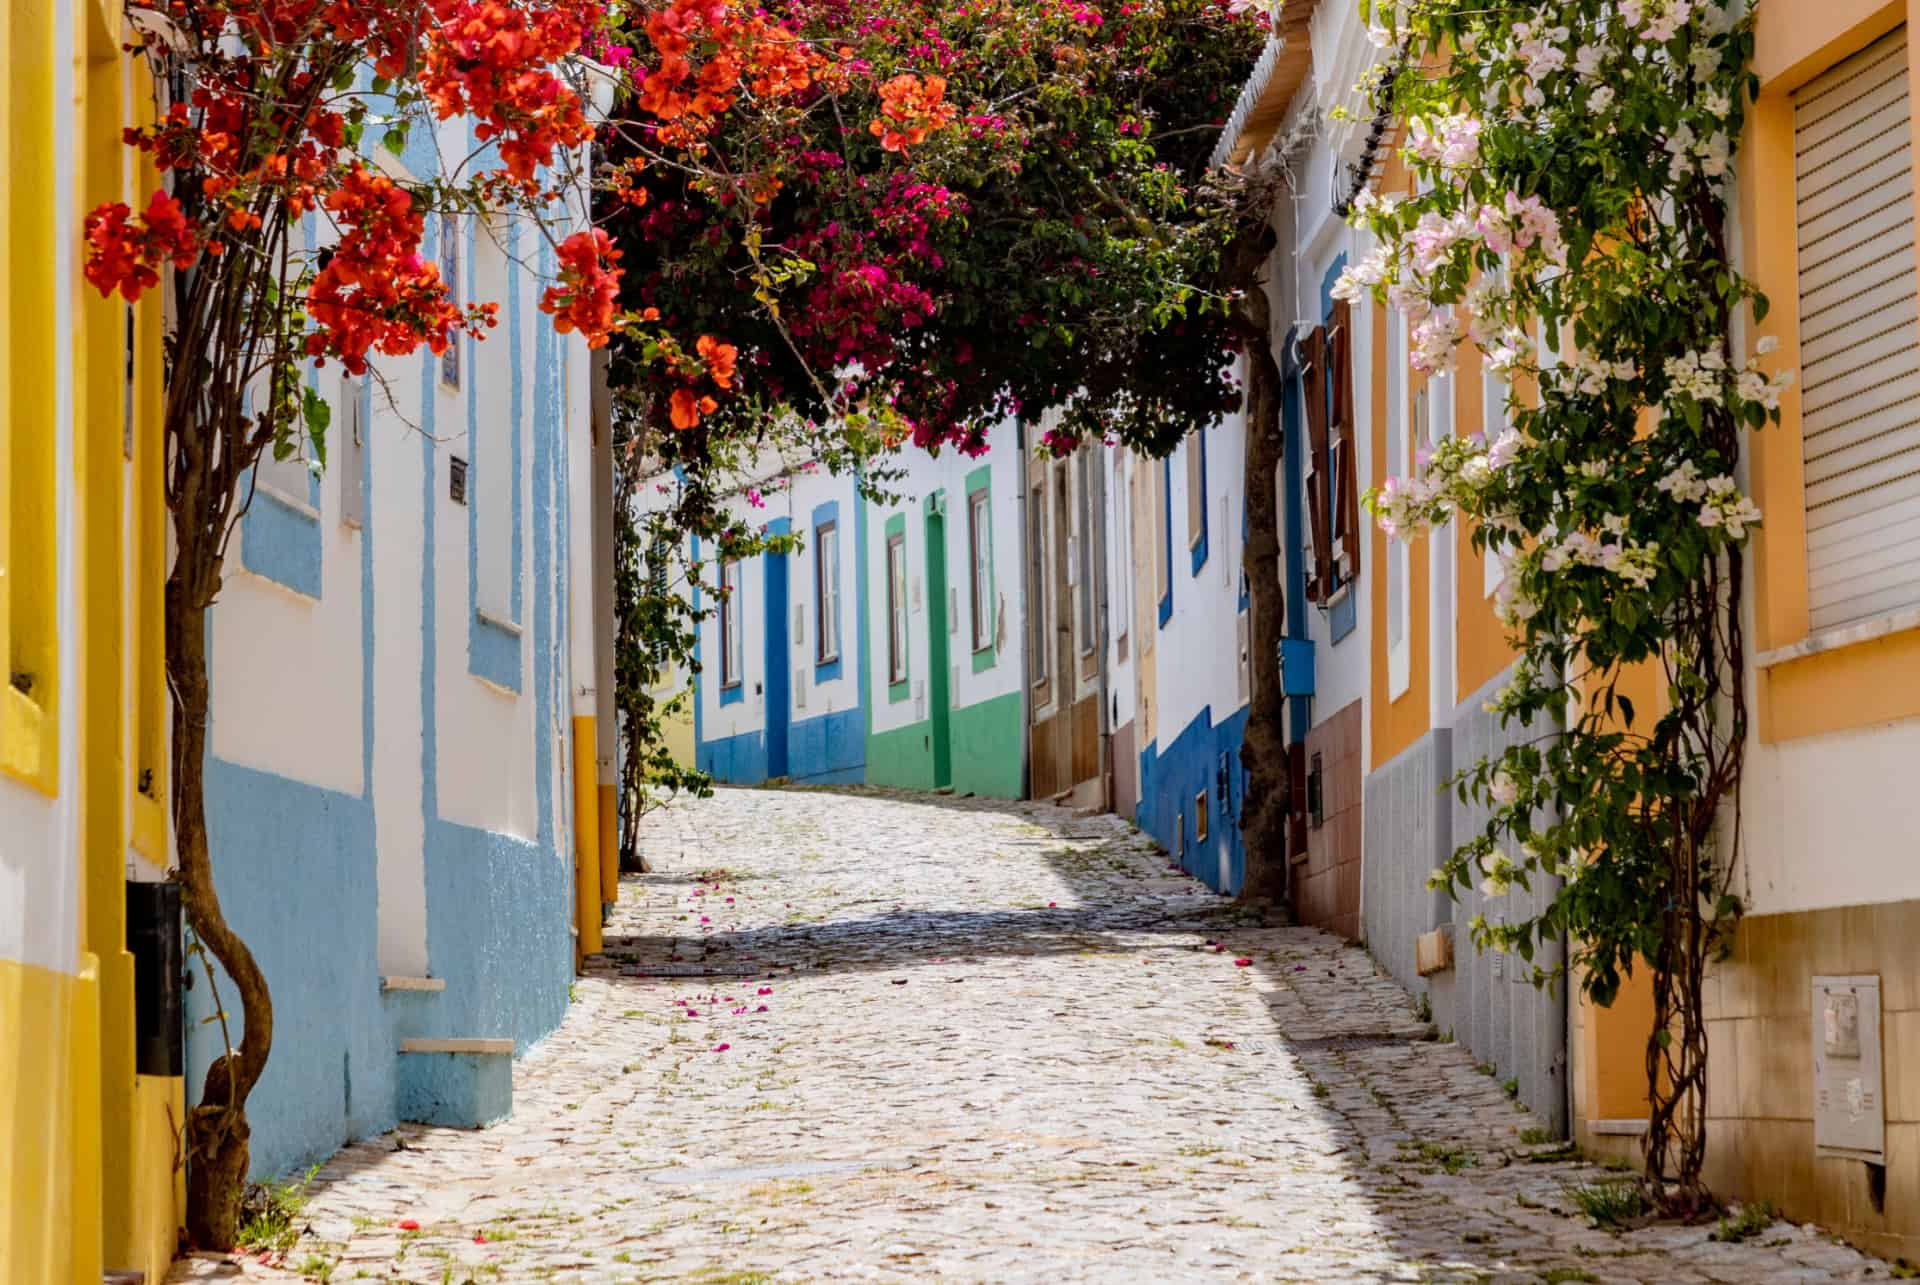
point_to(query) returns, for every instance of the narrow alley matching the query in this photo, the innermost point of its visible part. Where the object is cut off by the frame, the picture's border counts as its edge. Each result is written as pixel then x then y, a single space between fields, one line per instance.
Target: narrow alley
pixel 878 1036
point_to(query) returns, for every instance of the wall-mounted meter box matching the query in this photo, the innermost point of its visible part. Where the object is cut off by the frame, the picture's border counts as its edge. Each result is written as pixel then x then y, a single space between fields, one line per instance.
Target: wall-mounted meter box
pixel 1849 1104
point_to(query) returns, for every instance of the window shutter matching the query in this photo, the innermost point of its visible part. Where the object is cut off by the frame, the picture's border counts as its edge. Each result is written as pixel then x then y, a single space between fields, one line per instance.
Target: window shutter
pixel 1859 342
pixel 1314 387
pixel 1346 445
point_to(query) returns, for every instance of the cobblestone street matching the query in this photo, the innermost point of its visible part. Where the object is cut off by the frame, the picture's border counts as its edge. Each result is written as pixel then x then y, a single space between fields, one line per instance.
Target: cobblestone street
pixel 881 1037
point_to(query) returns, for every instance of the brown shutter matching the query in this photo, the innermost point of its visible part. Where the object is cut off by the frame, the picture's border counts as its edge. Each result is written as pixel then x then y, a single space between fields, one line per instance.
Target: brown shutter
pixel 1314 476
pixel 1346 444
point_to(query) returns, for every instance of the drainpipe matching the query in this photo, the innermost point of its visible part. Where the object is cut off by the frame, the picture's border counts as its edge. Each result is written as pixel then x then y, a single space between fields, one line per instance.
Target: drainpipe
pixel 1026 625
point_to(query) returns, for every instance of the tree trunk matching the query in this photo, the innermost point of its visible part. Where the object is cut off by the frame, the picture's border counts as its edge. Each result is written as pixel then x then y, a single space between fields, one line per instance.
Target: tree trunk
pixel 1263 752
pixel 217 1132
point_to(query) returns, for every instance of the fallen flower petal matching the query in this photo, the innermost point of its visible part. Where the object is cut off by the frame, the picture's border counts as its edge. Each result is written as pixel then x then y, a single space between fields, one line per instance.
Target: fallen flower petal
pixel 1242 963
pixel 721 1048
pixel 407 1224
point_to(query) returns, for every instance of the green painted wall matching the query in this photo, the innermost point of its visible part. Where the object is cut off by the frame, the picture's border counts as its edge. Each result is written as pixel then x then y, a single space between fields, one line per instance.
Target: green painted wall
pixel 986 751
pixel 986 748
pixel 902 758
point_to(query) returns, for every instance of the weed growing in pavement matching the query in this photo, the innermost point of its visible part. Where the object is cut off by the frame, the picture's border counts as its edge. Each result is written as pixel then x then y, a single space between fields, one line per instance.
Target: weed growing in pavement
pixel 1511 1087
pixel 1322 1092
pixel 1752 1219
pixel 1612 1204
pixel 1533 1137
pixel 316 1268
pixel 270 1212
pixel 1451 1159
pixel 1555 1275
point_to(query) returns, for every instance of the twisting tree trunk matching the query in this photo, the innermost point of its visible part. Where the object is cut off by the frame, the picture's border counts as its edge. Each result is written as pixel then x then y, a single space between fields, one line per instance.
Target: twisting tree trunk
pixel 1263 752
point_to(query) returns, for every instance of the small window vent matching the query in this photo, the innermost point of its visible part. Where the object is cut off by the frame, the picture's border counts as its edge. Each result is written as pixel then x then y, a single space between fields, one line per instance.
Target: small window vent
pixel 457 479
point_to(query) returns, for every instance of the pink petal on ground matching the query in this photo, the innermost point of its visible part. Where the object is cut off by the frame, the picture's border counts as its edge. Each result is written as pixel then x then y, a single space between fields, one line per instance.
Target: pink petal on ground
pixel 1052 904
pixel 1243 963
pixel 408 1224
pixel 721 1048
pixel 761 1009
pixel 766 990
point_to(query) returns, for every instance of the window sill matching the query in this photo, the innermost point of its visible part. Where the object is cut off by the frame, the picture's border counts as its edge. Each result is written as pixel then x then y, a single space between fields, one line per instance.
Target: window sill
pixel 287 502
pixel 487 618
pixel 820 662
pixel 1860 631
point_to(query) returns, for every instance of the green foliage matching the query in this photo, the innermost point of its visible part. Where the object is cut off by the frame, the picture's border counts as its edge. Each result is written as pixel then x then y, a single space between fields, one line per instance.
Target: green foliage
pixel 1752 1219
pixel 1613 1204
pixel 270 1213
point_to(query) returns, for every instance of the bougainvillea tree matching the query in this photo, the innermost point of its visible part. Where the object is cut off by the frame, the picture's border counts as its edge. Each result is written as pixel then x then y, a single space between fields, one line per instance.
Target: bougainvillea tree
pixel 916 219
pixel 1575 230
pixel 275 116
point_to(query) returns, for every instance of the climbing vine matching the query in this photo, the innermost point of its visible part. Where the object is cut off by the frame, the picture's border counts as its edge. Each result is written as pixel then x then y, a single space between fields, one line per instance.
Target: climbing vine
pixel 1575 163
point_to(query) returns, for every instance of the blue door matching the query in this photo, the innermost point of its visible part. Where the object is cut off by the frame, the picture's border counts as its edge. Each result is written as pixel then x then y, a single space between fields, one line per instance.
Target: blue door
pixel 779 680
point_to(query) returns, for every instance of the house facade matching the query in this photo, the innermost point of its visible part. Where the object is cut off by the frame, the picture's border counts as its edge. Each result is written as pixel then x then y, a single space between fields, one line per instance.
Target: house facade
pixel 419 868
pixel 88 933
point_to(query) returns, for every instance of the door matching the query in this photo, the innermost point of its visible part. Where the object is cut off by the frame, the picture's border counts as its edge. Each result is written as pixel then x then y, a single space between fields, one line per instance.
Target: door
pixel 779 693
pixel 939 698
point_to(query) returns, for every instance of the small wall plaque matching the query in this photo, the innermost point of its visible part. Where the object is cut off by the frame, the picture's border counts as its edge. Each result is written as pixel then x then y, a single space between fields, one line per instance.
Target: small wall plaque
pixel 1849 1103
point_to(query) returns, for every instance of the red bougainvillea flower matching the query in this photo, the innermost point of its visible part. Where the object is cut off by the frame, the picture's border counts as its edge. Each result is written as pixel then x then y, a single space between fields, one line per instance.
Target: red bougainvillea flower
pixel 911 108
pixel 587 297
pixel 125 253
pixel 719 358
pixel 686 407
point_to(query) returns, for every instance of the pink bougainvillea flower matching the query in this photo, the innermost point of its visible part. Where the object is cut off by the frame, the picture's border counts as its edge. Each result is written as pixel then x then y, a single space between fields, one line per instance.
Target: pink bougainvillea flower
pixel 1052 904
pixel 761 1009
pixel 1243 963
pixel 721 1048
pixel 766 990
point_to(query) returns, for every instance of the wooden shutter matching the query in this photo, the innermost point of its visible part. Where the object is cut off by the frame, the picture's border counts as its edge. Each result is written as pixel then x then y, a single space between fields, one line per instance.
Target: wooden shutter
pixel 1859 341
pixel 1314 476
pixel 1345 445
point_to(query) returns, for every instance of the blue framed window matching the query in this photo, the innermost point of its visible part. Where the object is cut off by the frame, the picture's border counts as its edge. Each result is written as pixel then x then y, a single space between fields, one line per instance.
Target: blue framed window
pixel 827 641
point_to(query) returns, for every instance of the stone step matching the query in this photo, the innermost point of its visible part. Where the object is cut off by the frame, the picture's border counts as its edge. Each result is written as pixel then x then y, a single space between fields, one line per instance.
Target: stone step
pixel 462 1083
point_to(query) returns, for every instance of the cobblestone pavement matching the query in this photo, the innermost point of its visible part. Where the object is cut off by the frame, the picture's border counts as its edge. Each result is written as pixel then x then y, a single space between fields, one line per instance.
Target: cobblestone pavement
pixel 865 1036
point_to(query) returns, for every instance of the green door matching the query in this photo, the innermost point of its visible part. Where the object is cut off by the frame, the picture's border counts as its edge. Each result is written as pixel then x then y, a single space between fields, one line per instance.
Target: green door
pixel 938 666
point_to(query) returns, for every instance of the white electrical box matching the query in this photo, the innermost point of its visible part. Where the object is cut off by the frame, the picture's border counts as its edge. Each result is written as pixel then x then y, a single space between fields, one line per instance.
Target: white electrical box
pixel 1849 1103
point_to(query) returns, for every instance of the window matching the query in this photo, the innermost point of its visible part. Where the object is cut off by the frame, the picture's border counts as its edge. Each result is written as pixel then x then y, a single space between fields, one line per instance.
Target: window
pixel 730 624
pixel 826 592
pixel 1038 597
pixel 896 608
pixel 1200 817
pixel 1123 549
pixel 1402 422
pixel 1162 553
pixel 494 477
pixel 1083 537
pixel 1494 392
pixel 980 544
pixel 450 273
pixel 1859 345
pixel 1197 494
pixel 659 555
pixel 353 436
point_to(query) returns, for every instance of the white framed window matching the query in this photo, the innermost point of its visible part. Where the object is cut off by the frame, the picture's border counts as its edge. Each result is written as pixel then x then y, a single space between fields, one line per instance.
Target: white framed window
pixel 1083 560
pixel 730 649
pixel 896 608
pixel 1405 421
pixel 1494 394
pixel 1038 653
pixel 1122 550
pixel 826 592
pixel 980 568
pixel 1195 451
pixel 1163 517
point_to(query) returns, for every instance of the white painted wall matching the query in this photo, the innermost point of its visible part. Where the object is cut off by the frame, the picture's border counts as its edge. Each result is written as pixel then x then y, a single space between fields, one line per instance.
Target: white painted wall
pixel 1832 820
pixel 1127 585
pixel 948 472
pixel 1196 653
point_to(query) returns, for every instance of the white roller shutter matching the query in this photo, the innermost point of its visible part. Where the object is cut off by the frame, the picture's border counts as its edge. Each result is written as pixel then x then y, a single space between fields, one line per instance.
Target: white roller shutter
pixel 1859 336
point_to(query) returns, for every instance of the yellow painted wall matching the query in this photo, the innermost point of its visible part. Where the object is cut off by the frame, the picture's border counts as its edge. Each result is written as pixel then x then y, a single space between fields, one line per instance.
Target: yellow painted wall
pixel 87 1155
pixel 586 841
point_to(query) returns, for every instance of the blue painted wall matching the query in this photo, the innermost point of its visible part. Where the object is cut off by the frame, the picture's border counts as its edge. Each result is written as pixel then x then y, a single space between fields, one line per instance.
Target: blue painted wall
pixel 1205 756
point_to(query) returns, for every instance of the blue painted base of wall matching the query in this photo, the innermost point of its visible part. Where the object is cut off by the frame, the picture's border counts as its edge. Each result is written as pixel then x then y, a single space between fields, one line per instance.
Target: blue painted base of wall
pixel 295 868
pixel 459 1090
pixel 1170 782
pixel 828 750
